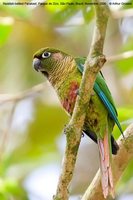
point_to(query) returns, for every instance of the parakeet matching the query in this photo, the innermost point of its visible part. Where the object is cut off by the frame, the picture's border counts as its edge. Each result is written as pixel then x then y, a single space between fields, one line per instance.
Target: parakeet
pixel 64 72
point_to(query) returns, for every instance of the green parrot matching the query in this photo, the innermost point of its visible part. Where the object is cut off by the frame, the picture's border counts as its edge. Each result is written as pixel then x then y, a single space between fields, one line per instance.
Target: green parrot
pixel 64 72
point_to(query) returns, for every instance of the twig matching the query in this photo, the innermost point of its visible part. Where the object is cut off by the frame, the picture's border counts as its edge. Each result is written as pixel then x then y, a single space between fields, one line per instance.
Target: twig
pixel 4 98
pixel 7 130
pixel 122 56
pixel 93 64
pixel 15 98
pixel 120 162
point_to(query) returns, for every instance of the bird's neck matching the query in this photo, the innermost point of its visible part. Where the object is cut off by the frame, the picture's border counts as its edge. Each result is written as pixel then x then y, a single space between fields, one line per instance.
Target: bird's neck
pixel 61 71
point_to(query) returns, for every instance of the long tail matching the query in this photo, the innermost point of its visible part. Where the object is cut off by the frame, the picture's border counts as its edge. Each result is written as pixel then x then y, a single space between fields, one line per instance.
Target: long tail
pixel 105 164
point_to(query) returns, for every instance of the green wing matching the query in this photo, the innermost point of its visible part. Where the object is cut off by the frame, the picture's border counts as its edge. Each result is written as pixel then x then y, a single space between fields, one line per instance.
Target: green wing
pixel 102 90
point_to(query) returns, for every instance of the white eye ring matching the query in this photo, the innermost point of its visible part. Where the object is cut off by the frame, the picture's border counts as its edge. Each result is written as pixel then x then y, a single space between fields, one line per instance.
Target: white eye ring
pixel 46 54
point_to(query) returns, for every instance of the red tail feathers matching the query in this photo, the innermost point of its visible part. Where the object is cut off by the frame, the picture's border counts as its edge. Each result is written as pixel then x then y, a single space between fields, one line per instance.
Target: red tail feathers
pixel 105 162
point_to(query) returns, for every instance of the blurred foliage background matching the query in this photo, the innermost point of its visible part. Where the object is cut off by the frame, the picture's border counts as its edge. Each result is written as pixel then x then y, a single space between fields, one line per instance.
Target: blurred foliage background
pixel 32 122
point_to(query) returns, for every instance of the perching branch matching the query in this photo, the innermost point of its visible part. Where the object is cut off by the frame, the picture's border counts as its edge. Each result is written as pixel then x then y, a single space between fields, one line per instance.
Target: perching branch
pixel 5 98
pixel 93 64
pixel 121 160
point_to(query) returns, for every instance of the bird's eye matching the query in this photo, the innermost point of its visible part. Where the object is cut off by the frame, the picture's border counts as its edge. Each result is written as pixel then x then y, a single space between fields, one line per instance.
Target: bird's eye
pixel 46 54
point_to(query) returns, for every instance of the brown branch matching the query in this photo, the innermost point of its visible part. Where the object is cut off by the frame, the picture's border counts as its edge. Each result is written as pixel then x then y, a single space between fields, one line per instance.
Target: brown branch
pixel 93 64
pixel 120 162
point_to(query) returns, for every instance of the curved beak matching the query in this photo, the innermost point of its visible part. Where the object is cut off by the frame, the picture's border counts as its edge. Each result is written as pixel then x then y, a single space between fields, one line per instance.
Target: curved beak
pixel 37 64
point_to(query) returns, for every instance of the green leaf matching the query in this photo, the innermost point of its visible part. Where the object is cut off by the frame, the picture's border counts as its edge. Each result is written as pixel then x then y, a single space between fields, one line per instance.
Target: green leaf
pixel 127 4
pixel 125 66
pixel 20 12
pixel 56 5
pixel 10 188
pixel 5 28
pixel 64 15
pixel 125 115
pixel 88 13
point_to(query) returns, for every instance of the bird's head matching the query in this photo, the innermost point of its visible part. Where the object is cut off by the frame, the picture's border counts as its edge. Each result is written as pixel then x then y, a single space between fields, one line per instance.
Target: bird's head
pixel 47 60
